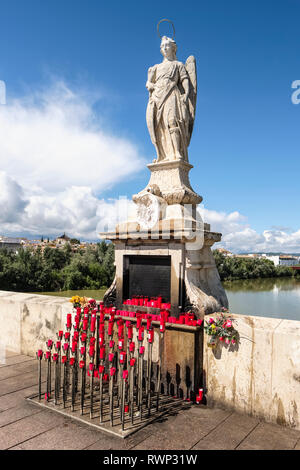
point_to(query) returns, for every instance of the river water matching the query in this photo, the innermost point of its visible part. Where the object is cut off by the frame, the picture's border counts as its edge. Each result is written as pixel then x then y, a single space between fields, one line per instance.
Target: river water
pixel 276 298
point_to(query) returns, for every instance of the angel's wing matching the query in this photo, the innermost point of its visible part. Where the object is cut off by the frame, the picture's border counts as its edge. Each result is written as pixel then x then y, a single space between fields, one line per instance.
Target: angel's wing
pixel 190 66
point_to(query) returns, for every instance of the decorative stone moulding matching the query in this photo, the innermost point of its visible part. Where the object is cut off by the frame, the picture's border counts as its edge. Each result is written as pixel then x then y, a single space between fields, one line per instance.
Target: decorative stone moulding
pixel 170 180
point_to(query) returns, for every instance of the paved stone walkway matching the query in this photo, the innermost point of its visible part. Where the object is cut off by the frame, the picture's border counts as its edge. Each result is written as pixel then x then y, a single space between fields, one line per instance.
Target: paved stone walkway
pixel 25 426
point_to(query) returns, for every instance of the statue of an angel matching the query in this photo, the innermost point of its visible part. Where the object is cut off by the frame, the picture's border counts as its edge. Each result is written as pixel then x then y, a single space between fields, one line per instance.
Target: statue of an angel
pixel 171 108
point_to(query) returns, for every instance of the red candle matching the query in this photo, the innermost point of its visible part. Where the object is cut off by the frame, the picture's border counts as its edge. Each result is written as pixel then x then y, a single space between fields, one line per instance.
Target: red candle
pixel 69 320
pixel 39 353
pixel 142 350
pixel 72 361
pixel 132 346
pixel 102 353
pixel 130 332
pixel 125 374
pixel 112 371
pixel 141 334
pixel 150 336
pixel 83 337
pixel 138 322
pixel 122 357
pixel 81 364
pixel 91 366
pixel 132 361
pixel 60 334
pixel 149 322
pixel 111 357
pixel 111 343
pixel 101 339
pixel 101 369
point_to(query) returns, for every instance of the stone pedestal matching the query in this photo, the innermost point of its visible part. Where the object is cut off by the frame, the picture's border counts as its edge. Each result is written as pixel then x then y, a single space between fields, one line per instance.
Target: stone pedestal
pixel 170 181
pixel 194 284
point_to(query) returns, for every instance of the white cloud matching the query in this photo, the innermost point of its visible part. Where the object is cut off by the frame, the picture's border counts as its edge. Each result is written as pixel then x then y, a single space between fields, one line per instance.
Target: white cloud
pixel 54 158
pixel 238 236
pixel 51 140
pixel 12 200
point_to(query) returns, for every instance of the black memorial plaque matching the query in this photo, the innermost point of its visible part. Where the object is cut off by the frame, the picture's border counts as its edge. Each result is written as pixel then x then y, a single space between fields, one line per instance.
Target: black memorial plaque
pixel 148 276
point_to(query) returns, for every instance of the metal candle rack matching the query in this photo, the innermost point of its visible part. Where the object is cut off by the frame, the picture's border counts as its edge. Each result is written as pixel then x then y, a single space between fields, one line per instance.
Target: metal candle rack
pixel 123 379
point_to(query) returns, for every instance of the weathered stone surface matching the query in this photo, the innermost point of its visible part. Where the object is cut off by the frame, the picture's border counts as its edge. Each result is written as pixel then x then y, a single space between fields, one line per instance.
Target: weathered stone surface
pixel 259 376
pixel 15 414
pixel 269 437
pixel 237 428
pixel 67 436
pixel 28 320
pixel 24 429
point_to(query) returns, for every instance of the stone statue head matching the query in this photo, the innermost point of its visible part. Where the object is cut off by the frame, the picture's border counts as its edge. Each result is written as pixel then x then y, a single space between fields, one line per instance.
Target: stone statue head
pixel 168 47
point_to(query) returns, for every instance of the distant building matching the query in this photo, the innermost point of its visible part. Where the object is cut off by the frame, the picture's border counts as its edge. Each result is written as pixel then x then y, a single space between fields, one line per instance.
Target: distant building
pixel 11 244
pixel 274 258
pixel 224 252
pixel 288 260
pixel 62 240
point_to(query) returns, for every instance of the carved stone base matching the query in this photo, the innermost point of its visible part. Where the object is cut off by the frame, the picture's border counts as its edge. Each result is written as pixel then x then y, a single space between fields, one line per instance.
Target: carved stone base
pixel 170 181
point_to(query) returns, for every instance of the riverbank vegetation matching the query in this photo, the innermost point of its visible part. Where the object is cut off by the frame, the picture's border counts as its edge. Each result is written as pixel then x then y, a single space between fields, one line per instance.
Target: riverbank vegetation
pixel 60 269
pixel 57 269
pixel 231 268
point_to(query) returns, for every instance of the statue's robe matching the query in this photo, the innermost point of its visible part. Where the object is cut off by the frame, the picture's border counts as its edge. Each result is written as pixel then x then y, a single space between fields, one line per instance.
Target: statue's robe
pixel 165 108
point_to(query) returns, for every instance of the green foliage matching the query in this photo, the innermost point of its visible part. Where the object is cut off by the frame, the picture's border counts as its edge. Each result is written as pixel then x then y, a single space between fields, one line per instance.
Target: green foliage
pixel 57 269
pixel 231 268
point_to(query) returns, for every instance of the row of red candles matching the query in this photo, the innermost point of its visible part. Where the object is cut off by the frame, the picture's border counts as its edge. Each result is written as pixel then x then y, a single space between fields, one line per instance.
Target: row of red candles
pixel 141 301
pixel 184 318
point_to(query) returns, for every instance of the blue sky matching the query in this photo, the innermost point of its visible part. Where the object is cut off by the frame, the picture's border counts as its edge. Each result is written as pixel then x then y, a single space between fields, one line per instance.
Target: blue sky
pixel 245 145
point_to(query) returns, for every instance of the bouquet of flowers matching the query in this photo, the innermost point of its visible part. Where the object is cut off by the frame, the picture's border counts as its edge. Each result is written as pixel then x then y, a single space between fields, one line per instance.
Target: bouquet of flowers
pixel 221 329
pixel 78 301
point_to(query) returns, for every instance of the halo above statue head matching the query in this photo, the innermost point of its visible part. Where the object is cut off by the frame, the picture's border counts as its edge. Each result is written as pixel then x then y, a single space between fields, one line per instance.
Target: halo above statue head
pixel 171 23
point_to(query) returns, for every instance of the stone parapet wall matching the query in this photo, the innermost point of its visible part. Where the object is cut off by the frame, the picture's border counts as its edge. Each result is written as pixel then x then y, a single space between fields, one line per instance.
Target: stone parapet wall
pixel 261 375
pixel 28 320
